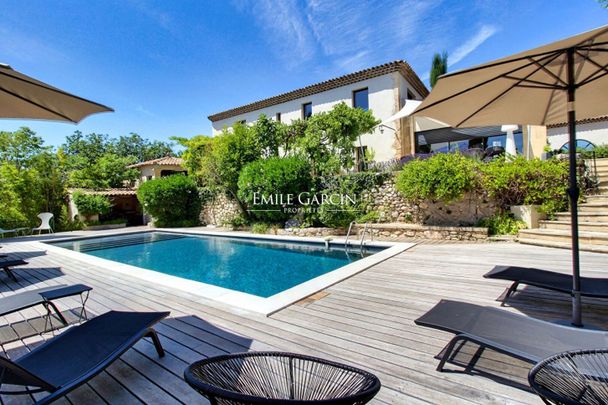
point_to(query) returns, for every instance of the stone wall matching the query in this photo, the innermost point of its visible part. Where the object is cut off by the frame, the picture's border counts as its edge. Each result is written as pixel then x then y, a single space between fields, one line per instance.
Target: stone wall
pixel 400 231
pixel 219 210
pixel 392 207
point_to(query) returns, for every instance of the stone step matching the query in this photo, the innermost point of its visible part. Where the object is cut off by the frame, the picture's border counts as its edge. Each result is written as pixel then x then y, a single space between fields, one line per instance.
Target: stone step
pixel 595 206
pixel 563 236
pixel 582 226
pixel 599 162
pixel 584 216
pixel 596 198
pixel 560 245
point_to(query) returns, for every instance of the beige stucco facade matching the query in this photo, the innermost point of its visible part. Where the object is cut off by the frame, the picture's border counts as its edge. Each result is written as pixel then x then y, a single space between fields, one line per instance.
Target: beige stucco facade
pixel 386 95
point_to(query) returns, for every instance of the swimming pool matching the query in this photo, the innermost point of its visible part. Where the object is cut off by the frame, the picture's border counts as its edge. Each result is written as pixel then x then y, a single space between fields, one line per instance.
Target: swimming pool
pixel 259 273
pixel 258 267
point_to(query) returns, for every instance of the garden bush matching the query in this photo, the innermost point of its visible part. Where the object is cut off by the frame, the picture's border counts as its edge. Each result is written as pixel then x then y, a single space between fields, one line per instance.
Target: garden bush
pixel 273 177
pixel 260 227
pixel 527 182
pixel 600 152
pixel 337 216
pixel 172 201
pixel 446 177
pixel 503 223
pixel 91 204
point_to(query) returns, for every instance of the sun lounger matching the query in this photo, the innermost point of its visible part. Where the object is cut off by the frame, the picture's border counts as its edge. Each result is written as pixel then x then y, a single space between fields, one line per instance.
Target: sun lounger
pixel 7 264
pixel 78 354
pixel 506 332
pixel 550 280
pixel 44 296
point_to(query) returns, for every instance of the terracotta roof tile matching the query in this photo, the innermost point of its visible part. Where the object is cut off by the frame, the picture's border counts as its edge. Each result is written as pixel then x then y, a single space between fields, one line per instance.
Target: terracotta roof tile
pixel 109 191
pixel 167 160
pixel 397 66
pixel 583 121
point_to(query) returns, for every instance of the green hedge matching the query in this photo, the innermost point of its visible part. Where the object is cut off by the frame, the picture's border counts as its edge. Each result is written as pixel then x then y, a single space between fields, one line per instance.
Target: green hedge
pixel 527 182
pixel 91 204
pixel 446 177
pixel 172 201
pixel 271 177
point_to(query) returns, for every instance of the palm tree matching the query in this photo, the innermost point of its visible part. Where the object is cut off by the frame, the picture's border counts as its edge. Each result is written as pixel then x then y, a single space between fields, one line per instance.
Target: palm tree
pixel 439 67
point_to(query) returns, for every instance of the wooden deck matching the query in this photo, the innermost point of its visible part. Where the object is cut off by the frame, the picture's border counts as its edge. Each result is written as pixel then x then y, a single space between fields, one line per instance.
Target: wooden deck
pixel 366 321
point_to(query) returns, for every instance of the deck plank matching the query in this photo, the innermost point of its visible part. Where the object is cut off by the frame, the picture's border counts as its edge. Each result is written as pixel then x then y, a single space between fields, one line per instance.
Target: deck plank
pixel 366 321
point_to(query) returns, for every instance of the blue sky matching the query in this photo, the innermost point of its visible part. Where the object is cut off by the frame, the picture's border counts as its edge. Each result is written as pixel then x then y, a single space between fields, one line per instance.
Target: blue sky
pixel 164 66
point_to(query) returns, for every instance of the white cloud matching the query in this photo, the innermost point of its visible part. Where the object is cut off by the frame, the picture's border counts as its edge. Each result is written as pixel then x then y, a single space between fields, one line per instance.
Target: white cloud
pixel 485 32
pixel 140 109
pixel 285 28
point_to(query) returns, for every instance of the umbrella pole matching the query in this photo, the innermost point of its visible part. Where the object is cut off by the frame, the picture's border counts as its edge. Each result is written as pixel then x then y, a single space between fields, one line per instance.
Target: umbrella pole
pixel 573 193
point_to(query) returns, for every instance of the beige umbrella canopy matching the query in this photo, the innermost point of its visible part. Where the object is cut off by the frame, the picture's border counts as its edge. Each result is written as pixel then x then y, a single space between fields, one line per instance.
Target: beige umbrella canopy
pixel 24 97
pixel 527 88
pixel 551 84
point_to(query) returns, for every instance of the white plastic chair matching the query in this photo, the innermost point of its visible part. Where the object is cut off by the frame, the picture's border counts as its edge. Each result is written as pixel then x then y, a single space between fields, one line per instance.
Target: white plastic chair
pixel 45 225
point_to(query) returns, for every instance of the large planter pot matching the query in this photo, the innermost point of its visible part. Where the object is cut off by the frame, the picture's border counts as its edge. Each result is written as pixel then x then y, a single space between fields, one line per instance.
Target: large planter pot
pixel 529 214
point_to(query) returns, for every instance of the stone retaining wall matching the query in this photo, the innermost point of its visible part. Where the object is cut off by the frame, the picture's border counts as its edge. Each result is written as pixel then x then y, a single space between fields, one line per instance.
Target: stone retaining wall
pixel 392 207
pixel 396 232
pixel 219 210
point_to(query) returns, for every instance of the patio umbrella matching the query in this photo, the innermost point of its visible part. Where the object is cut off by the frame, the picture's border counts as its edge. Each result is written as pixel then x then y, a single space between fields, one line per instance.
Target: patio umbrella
pixel 551 84
pixel 24 97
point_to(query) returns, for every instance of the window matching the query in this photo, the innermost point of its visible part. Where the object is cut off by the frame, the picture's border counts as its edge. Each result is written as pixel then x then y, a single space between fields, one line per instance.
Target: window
pixel 277 117
pixel 306 110
pixel 361 99
pixel 410 95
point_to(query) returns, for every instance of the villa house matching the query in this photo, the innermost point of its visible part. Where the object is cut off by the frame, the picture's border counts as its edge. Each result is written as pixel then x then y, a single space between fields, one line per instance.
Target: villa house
pixel 594 130
pixel 125 204
pixel 382 89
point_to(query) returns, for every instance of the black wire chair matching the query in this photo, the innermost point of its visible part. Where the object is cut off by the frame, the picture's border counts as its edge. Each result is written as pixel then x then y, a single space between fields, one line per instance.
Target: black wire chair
pixel 280 378
pixel 572 378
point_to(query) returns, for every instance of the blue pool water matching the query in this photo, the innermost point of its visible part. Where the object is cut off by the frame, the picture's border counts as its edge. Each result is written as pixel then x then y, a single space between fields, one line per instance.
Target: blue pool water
pixel 257 267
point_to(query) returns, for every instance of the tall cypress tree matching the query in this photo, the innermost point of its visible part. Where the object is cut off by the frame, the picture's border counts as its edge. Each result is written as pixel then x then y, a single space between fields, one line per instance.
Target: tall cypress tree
pixel 439 67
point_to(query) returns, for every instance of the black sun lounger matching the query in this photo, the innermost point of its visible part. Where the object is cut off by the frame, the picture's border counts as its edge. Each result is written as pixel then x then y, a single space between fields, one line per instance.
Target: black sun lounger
pixel 43 296
pixel 506 332
pixel 550 280
pixel 78 354
pixel 7 264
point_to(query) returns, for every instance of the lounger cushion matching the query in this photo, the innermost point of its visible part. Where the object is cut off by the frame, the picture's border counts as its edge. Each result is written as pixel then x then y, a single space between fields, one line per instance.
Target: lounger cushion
pixel 12 263
pixel 22 300
pixel 591 287
pixel 524 337
pixel 80 350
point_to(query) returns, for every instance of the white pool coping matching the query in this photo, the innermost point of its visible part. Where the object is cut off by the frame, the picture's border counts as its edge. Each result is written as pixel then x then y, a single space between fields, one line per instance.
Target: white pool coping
pixel 249 302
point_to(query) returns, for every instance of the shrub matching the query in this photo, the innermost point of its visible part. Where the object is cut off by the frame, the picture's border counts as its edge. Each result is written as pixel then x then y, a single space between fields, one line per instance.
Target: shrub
pixel 600 152
pixel 371 216
pixel 273 177
pixel 91 204
pixel 260 227
pixel 527 182
pixel 502 224
pixel 336 216
pixel 172 200
pixel 445 177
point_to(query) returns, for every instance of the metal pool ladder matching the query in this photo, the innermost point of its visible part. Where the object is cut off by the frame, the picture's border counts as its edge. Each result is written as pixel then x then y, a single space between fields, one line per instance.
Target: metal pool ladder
pixel 350 227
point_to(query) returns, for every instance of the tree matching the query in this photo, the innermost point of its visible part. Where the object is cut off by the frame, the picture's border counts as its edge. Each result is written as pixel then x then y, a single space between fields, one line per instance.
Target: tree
pixel 198 150
pixel 139 148
pixel 270 135
pixel 438 67
pixel 19 147
pixel 329 138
